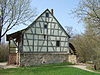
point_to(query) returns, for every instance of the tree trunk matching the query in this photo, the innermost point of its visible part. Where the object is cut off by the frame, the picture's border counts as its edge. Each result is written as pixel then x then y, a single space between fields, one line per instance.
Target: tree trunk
pixel 0 32
pixel 1 22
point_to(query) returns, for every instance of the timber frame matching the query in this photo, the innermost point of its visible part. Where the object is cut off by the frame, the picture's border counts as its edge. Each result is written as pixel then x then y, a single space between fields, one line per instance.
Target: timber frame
pixel 44 35
pixel 20 34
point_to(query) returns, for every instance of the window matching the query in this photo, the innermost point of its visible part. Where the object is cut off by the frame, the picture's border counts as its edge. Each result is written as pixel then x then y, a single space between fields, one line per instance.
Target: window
pixel 45 26
pixel 47 14
pixel 44 36
pixel 57 43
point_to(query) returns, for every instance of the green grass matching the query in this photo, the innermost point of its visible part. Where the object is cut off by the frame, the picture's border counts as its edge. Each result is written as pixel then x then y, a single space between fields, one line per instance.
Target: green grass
pixel 93 69
pixel 53 65
pixel 52 69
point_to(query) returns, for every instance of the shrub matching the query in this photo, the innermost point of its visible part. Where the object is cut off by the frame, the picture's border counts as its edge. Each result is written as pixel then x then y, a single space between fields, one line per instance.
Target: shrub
pixel 4 52
pixel 97 64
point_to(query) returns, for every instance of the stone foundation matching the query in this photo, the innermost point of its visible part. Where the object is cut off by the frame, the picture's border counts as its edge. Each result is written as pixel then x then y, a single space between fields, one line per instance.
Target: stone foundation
pixel 72 58
pixel 28 59
pixel 12 58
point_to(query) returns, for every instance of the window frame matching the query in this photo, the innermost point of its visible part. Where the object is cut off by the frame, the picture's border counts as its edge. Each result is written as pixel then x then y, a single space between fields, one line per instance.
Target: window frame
pixel 45 26
pixel 47 14
pixel 58 43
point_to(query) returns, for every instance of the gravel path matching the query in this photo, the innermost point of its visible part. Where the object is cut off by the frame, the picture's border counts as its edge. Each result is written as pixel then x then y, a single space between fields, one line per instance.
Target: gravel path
pixel 5 66
pixel 82 67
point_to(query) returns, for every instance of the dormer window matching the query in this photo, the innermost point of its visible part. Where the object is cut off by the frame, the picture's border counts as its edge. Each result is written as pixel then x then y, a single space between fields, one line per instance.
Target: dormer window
pixel 47 14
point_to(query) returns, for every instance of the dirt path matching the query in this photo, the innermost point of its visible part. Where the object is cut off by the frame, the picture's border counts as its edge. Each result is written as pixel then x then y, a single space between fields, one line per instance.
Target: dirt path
pixel 5 66
pixel 82 67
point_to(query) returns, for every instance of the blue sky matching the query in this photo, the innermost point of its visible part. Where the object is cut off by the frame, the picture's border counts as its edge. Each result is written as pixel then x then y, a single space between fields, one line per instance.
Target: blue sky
pixel 62 10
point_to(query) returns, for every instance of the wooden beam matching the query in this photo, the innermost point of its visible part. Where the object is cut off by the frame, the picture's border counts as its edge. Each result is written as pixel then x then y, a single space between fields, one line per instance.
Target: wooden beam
pixel 51 44
pixel 14 42
pixel 28 42
pixel 33 38
pixel 9 46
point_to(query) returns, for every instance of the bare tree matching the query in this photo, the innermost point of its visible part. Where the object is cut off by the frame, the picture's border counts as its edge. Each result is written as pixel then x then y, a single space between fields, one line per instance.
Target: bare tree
pixel 14 12
pixel 69 30
pixel 88 44
pixel 85 46
pixel 89 11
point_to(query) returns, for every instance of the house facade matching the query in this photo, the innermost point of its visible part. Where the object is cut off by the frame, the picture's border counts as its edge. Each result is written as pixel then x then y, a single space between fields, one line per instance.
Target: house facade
pixel 44 41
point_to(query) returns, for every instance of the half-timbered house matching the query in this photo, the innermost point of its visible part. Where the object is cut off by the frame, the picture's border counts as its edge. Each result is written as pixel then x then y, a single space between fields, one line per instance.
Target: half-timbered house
pixel 44 41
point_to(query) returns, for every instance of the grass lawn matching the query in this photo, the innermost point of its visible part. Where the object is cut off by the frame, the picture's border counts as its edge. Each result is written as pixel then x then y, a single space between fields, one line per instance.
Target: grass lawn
pixel 52 69
pixel 93 69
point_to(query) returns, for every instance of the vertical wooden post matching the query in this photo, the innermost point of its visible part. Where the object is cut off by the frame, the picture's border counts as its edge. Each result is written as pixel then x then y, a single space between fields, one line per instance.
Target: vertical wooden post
pixel 9 46
pixel 9 52
pixel 47 38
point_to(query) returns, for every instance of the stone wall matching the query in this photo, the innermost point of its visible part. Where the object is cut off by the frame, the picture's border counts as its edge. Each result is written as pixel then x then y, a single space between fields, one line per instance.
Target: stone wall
pixel 28 59
pixel 12 58
pixel 72 58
